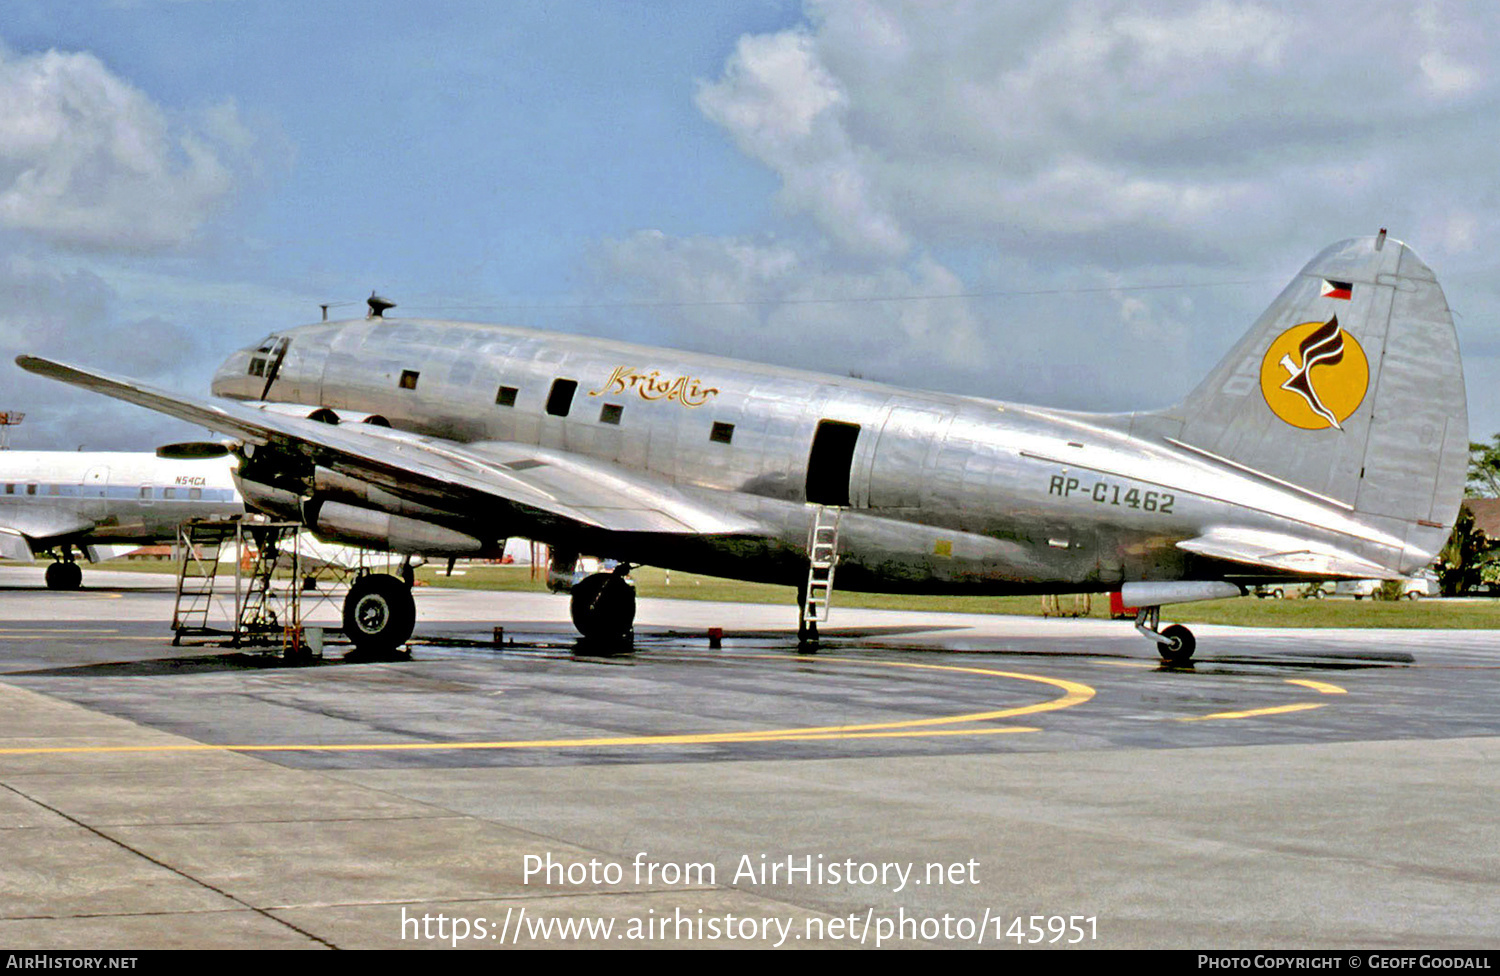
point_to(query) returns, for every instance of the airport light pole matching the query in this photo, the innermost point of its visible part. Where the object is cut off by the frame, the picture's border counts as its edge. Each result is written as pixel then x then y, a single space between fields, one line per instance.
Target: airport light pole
pixel 8 419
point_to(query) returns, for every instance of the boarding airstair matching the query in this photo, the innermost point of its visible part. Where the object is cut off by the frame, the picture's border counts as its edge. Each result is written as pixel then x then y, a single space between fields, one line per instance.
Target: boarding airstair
pixel 823 558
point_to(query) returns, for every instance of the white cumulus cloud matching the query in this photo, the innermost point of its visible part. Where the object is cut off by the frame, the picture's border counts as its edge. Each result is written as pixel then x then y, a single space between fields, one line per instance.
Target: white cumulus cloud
pixel 89 160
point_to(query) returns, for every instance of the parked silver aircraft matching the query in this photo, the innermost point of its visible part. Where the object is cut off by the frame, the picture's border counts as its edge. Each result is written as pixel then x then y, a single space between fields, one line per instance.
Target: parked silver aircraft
pixel 59 501
pixel 1331 442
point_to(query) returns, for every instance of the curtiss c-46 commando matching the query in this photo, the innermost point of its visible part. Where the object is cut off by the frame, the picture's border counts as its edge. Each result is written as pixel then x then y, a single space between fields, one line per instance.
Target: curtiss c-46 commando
pixel 1331 442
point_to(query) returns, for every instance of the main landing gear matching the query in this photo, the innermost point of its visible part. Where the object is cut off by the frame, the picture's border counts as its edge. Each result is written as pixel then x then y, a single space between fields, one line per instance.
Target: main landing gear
pixel 1175 643
pixel 65 574
pixel 603 608
pixel 379 613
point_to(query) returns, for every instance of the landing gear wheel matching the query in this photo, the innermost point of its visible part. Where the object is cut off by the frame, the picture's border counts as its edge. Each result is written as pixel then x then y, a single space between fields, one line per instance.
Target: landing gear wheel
pixel 603 607
pixel 379 613
pixel 64 576
pixel 1180 646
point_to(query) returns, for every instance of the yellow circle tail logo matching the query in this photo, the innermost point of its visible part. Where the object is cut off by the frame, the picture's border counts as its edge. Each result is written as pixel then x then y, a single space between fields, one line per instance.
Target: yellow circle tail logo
pixel 1315 375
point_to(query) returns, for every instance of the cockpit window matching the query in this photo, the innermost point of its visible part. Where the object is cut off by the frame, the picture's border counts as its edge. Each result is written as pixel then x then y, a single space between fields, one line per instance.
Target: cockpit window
pixel 259 358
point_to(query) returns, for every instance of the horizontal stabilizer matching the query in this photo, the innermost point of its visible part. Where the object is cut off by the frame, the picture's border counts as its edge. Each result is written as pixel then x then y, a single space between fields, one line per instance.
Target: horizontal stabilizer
pixel 1284 553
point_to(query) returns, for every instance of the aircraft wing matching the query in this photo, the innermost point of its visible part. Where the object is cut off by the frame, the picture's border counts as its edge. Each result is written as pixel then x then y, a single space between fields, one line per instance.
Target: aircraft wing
pixel 1287 553
pixel 539 487
pixel 40 529
pixel 13 545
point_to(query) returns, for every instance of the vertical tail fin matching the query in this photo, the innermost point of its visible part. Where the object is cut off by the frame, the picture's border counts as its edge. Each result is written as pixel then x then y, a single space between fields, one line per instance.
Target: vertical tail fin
pixel 1349 386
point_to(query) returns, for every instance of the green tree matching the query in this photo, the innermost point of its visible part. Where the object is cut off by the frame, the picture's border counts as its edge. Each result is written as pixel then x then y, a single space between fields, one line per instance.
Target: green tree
pixel 1460 564
pixel 1484 469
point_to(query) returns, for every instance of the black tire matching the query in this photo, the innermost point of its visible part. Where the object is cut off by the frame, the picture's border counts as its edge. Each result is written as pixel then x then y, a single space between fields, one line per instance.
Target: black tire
pixel 379 613
pixel 64 576
pixel 603 607
pixel 1181 646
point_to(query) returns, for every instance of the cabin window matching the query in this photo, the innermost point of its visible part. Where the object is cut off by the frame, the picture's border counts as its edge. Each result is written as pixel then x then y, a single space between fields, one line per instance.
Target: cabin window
pixel 506 396
pixel 721 433
pixel 409 379
pixel 560 400
pixel 10 489
pixel 610 413
pixel 31 489
pixel 146 491
pixel 169 493
pixel 195 493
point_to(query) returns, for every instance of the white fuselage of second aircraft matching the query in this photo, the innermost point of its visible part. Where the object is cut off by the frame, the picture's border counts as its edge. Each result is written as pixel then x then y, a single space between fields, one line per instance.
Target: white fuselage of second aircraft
pixel 55 499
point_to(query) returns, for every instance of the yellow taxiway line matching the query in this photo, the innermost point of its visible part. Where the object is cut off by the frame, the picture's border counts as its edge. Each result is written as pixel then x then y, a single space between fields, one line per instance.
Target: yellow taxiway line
pixel 1255 712
pixel 1074 693
pixel 1321 687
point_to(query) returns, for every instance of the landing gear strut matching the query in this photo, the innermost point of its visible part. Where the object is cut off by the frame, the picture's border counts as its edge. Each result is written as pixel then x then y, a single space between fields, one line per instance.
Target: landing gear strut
pixel 65 574
pixel 379 613
pixel 1175 643
pixel 603 607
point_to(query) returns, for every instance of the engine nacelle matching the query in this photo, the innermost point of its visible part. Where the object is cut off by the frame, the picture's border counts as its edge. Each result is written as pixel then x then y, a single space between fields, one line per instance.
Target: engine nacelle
pixel 375 529
pixel 332 486
pixel 325 415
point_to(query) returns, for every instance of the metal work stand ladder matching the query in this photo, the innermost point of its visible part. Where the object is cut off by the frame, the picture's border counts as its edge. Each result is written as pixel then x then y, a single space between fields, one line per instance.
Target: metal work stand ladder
pixel 822 557
pixel 199 545
pixel 254 617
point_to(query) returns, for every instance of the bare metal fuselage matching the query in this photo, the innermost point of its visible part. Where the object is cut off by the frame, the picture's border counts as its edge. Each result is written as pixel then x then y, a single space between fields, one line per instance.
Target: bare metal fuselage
pixel 941 493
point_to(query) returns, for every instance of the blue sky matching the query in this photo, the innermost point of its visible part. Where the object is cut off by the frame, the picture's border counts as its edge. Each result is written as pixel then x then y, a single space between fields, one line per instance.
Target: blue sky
pixel 180 178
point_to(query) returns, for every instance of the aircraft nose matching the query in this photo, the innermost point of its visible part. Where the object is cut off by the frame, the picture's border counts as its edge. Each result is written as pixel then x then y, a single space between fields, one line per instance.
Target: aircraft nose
pixel 230 379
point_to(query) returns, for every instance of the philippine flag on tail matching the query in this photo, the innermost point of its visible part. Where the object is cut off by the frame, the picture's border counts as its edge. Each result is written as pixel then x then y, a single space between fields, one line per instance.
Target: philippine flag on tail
pixel 1337 289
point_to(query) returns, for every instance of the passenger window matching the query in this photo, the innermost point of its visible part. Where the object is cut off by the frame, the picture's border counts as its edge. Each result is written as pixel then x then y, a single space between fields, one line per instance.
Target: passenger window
pixel 31 489
pixel 169 493
pixel 145 492
pixel 610 414
pixel 560 400
pixel 10 489
pixel 506 396
pixel 409 379
pixel 721 433
pixel 195 493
